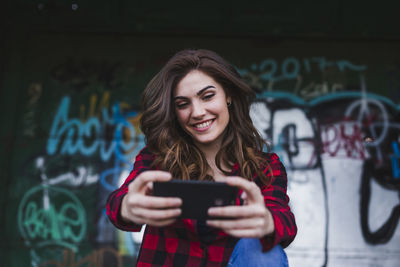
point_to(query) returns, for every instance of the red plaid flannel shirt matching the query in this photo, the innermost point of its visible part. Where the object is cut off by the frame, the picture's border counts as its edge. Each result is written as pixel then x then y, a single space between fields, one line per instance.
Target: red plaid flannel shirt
pixel 192 243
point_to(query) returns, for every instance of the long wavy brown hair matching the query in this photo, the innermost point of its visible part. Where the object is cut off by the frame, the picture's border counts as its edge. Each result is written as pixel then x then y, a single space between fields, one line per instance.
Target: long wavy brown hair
pixel 174 149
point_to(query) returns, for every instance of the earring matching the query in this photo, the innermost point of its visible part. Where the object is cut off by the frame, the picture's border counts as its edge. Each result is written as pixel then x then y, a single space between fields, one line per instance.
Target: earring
pixel 229 103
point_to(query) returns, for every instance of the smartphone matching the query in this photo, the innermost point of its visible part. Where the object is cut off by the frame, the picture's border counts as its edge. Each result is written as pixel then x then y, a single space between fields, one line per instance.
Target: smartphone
pixel 197 196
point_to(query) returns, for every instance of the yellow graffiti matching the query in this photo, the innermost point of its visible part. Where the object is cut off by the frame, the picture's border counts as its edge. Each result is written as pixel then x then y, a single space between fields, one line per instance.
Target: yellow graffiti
pixel 94 259
pixel 34 92
pixel 95 108
pixel 135 122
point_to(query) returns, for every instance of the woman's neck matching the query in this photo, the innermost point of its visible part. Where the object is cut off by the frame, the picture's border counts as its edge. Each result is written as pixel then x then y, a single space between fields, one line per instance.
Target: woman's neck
pixel 210 152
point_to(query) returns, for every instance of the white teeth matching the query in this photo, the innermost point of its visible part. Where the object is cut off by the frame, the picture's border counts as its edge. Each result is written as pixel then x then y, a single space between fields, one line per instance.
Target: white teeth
pixel 203 125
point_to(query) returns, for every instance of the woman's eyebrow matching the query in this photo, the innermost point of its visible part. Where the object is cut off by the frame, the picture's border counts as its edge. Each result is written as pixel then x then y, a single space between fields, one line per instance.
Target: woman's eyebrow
pixel 179 97
pixel 198 93
pixel 205 88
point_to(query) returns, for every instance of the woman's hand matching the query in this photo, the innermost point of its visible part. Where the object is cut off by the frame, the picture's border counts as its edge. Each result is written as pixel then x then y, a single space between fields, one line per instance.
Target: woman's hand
pixel 251 220
pixel 140 207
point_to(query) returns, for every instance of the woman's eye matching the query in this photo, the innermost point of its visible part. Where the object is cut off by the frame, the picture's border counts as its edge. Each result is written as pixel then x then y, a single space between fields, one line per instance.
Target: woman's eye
pixel 180 105
pixel 208 96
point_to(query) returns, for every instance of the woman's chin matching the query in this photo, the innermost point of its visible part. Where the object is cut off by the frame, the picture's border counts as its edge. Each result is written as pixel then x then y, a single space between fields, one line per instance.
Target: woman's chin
pixel 207 142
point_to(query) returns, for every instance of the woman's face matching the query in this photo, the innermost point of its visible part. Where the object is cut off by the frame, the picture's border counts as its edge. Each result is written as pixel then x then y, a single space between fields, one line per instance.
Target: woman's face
pixel 201 108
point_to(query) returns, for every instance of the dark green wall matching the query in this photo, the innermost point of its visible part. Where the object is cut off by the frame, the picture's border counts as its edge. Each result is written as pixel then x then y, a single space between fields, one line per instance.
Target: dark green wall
pixel 100 57
pixel 341 19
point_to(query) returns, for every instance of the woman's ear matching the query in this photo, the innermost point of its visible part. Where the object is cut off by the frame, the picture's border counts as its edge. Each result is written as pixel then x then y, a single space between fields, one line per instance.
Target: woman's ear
pixel 228 101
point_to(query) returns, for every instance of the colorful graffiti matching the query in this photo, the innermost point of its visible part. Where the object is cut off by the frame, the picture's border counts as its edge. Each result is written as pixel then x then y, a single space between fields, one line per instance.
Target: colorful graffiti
pixel 78 134
pixel 101 257
pixel 51 217
pixel 316 139
pixel 45 224
pixel 293 73
pixel 340 148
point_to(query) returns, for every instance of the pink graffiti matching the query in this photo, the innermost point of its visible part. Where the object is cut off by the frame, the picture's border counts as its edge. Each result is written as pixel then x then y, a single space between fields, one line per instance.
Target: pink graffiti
pixel 343 140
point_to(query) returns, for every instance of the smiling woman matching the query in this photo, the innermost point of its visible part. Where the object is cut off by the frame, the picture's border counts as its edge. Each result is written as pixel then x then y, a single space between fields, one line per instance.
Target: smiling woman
pixel 197 127
pixel 202 110
pixel 173 143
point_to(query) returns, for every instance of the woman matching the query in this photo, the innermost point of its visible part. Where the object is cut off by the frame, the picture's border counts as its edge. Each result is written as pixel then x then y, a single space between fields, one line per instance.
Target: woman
pixel 197 127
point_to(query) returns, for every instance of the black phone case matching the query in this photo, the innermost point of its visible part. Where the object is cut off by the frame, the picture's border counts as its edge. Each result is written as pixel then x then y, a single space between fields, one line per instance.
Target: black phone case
pixel 197 196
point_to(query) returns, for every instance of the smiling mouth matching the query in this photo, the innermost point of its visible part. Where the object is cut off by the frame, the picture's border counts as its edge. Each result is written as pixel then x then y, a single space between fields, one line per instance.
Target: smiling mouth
pixel 203 125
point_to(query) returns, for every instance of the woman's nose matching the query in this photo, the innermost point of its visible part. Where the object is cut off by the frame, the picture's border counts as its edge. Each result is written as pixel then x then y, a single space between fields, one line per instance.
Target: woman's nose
pixel 198 110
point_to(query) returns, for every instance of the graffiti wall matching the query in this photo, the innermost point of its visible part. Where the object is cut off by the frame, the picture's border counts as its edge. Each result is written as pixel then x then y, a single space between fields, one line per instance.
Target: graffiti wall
pixel 333 117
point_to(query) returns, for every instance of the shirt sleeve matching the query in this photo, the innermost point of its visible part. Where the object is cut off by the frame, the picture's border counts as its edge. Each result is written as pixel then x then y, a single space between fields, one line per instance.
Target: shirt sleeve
pixel 277 200
pixel 142 163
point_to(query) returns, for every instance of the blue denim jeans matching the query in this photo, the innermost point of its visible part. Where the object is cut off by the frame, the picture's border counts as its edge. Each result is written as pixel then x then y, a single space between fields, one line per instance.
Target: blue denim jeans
pixel 248 252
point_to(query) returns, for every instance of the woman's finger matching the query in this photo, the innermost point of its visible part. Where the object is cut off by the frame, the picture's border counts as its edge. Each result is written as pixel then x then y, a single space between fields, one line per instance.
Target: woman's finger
pixel 253 192
pixel 240 224
pixel 238 211
pixel 152 202
pixel 140 182
pixel 154 214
